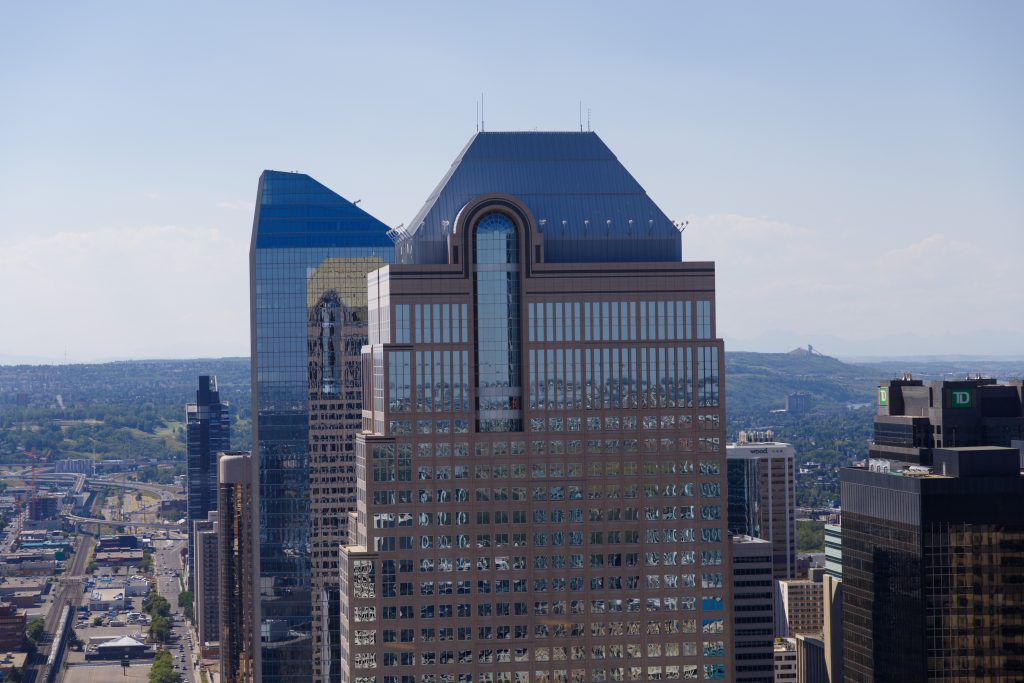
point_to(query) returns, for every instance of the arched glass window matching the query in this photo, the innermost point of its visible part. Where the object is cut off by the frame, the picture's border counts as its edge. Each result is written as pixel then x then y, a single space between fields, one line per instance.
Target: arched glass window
pixel 496 279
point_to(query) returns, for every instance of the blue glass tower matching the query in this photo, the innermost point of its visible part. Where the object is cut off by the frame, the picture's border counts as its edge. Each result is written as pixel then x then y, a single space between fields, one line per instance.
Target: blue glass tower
pixel 309 245
pixel 208 432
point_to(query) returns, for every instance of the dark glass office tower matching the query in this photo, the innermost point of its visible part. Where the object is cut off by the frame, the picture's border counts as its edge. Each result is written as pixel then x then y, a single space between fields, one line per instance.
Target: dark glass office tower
pixel 207 432
pixel 309 246
pixel 541 467
pixel 933 568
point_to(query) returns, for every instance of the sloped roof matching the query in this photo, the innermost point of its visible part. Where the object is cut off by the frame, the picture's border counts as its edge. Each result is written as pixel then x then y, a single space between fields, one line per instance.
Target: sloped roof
pixel 592 209
pixel 294 210
pixel 123 641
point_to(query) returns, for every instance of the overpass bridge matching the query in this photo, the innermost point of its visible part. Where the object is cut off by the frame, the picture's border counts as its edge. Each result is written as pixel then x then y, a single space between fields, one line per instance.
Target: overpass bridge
pixel 128 524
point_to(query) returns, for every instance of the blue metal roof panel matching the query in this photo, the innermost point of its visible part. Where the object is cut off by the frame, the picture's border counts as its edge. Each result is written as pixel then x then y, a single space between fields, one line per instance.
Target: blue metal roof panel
pixel 572 181
pixel 294 210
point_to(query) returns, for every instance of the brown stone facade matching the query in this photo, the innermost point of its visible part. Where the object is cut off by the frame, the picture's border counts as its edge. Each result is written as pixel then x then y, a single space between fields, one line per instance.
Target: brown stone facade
pixel 567 523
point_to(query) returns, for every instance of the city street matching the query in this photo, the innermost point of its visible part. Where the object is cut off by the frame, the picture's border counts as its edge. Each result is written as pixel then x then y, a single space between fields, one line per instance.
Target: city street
pixel 181 644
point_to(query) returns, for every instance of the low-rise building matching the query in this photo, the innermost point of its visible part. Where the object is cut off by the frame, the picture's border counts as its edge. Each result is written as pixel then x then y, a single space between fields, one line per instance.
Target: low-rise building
pixel 136 586
pixel 29 563
pixel 106 599
pixel 24 591
pixel 119 648
pixel 12 627
pixel 118 542
pixel 11 661
pixel 119 558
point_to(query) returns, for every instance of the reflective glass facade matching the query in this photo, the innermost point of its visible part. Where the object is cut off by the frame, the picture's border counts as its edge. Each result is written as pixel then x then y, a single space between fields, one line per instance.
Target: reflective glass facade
pixel 308 242
pixel 933 570
pixel 207 432
pixel 496 310
pixel 540 480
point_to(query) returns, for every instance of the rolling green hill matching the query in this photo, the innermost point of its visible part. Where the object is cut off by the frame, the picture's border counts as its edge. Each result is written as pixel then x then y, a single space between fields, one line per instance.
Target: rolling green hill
pixel 757 383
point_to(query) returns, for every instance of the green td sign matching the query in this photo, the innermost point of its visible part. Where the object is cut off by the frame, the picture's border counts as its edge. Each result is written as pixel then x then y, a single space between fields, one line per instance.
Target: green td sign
pixel 961 398
pixel 883 396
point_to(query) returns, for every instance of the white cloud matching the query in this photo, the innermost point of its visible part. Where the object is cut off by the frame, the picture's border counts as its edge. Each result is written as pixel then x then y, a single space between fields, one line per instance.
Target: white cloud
pixel 236 205
pixel 780 285
pixel 158 291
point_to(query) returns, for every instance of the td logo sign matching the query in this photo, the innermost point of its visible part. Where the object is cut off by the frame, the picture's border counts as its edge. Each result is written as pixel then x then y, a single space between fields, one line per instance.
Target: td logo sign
pixel 961 398
pixel 883 396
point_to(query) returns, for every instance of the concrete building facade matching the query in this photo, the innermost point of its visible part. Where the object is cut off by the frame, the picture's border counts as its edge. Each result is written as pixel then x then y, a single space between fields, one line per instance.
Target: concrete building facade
pixel 832 627
pixel 207 583
pixel 799 607
pixel 762 495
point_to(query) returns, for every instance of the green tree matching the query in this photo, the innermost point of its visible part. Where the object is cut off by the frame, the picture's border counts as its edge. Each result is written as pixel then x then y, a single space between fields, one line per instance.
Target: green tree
pixel 97 621
pixel 156 605
pixel 159 629
pixel 810 536
pixel 34 630
pixel 162 670
pixel 185 602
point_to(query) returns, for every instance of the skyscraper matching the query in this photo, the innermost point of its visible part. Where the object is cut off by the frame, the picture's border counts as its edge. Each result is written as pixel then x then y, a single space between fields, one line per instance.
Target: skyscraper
pixel 933 567
pixel 540 469
pixel 207 432
pixel 310 248
pixel 914 418
pixel 237 618
pixel 762 495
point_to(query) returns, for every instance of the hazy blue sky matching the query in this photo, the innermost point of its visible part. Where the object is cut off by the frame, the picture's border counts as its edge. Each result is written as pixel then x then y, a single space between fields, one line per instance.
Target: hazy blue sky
pixel 856 170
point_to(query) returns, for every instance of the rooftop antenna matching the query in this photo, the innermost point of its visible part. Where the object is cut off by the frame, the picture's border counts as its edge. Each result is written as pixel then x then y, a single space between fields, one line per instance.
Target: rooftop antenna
pixel 483 128
pixel 588 119
pixel 581 116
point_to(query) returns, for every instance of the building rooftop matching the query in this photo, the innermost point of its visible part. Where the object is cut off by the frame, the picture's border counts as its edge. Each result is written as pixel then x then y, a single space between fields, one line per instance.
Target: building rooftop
pixel 587 205
pixel 107 594
pixel 294 210
pixel 123 641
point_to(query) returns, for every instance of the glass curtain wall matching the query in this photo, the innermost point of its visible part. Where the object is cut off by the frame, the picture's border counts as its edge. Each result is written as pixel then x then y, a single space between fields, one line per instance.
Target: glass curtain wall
pixel 299 225
pixel 499 388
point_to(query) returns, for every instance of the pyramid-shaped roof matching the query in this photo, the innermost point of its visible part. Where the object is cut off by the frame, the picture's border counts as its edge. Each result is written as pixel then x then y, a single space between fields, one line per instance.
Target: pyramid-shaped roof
pixel 121 642
pixel 591 208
